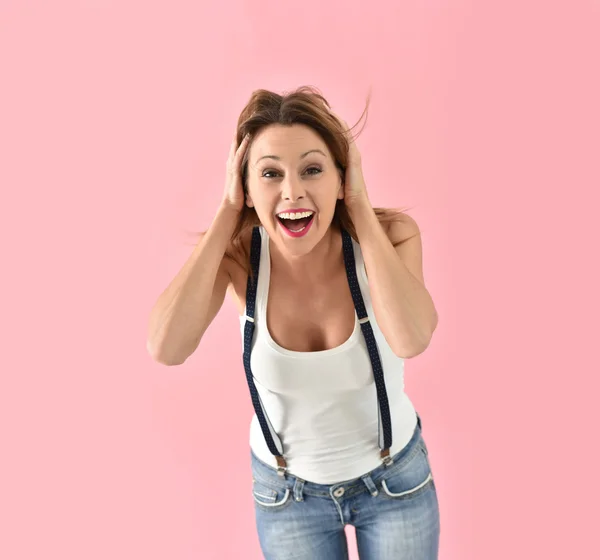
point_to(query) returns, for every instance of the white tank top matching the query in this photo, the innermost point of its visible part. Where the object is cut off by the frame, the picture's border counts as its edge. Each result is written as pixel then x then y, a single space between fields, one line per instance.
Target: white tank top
pixel 323 405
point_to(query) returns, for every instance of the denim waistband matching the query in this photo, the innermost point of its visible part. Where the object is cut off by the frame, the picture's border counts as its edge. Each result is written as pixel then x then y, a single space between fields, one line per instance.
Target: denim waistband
pixel 267 475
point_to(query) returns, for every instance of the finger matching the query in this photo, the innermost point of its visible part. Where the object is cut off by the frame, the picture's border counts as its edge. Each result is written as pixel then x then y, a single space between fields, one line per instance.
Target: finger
pixel 242 147
pixel 232 148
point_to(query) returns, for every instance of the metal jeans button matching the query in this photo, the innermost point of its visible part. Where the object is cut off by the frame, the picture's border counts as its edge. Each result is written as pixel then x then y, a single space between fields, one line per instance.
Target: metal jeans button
pixel 339 492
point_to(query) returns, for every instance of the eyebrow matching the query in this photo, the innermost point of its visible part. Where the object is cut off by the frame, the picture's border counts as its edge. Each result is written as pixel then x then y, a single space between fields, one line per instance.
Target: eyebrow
pixel 302 156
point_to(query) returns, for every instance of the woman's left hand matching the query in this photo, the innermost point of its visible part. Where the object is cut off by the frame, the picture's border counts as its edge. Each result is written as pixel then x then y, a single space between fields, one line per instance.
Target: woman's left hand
pixel 355 189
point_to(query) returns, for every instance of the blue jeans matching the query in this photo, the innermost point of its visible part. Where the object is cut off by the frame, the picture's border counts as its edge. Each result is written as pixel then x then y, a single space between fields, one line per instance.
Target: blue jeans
pixel 394 510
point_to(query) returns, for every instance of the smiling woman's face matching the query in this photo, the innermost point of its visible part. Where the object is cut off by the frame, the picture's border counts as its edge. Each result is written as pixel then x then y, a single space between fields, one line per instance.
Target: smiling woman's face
pixel 301 174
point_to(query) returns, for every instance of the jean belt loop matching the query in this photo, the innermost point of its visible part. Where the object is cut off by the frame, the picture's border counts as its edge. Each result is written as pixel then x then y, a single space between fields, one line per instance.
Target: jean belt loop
pixel 298 487
pixel 370 485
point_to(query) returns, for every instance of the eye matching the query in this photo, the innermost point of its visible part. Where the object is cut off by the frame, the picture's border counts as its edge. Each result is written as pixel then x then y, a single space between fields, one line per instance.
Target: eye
pixel 317 169
pixel 312 168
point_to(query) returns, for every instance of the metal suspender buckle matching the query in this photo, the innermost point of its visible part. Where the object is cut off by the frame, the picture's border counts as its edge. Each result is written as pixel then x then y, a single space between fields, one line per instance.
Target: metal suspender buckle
pixel 386 458
pixel 281 465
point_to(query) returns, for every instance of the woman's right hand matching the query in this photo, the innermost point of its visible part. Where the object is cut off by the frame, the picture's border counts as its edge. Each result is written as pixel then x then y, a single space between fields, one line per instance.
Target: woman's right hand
pixel 234 196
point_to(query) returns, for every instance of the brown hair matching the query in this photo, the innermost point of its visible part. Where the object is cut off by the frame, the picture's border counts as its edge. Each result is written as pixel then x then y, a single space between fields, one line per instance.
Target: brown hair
pixel 304 105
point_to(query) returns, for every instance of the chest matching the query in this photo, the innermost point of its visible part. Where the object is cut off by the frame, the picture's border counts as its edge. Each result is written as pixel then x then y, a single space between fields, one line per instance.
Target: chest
pixel 303 317
pixel 310 318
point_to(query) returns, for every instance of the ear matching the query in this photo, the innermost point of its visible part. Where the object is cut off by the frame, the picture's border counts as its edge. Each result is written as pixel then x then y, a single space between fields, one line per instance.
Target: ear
pixel 340 194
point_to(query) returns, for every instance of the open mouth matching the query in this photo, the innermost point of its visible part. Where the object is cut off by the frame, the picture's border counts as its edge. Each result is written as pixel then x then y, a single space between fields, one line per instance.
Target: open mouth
pixel 296 225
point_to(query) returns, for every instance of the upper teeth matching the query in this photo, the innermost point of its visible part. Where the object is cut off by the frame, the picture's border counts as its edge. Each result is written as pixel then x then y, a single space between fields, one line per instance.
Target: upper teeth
pixel 294 216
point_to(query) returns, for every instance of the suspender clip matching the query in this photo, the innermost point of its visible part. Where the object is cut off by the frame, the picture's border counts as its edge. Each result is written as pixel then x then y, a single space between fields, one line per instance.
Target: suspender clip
pixel 281 465
pixel 386 458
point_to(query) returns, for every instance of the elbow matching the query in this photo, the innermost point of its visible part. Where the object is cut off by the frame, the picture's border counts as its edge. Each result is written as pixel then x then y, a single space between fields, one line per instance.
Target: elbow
pixel 434 322
pixel 410 351
pixel 419 341
pixel 163 359
pixel 407 353
pixel 167 362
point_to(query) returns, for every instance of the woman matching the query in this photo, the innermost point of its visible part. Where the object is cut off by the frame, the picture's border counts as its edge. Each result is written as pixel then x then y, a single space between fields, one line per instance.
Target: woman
pixel 331 299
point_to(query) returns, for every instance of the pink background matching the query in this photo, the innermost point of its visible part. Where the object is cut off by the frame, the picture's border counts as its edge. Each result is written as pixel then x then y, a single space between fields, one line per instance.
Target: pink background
pixel 115 122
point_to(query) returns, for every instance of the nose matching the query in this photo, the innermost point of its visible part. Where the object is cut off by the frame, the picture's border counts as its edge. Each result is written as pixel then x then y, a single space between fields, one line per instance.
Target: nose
pixel 292 189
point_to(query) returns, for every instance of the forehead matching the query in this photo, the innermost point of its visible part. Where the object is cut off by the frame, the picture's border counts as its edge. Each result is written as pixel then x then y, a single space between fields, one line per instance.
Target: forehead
pixel 287 142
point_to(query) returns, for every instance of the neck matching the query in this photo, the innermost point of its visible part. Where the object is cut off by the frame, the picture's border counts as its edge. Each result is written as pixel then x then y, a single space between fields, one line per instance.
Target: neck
pixel 319 263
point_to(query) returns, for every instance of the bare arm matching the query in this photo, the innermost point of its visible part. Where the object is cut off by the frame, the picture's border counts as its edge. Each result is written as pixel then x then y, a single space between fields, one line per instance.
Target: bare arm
pixel 402 304
pixel 189 304
pixel 191 301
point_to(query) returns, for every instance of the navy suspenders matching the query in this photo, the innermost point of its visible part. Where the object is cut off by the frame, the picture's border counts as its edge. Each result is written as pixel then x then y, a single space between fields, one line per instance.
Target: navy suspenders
pixel 363 319
pixel 273 442
pixel 248 334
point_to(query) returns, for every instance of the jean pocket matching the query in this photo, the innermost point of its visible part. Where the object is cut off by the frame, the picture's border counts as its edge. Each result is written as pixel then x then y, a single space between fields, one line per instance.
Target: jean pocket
pixel 411 479
pixel 270 497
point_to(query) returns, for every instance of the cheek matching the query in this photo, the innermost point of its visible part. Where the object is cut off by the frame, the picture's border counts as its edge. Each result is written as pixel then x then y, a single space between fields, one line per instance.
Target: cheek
pixel 329 195
pixel 264 202
pixel 255 191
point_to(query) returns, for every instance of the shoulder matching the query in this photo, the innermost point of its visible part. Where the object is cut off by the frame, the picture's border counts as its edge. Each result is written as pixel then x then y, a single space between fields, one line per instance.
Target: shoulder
pixel 398 225
pixel 236 263
pixel 239 251
pixel 237 255
pixel 404 233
